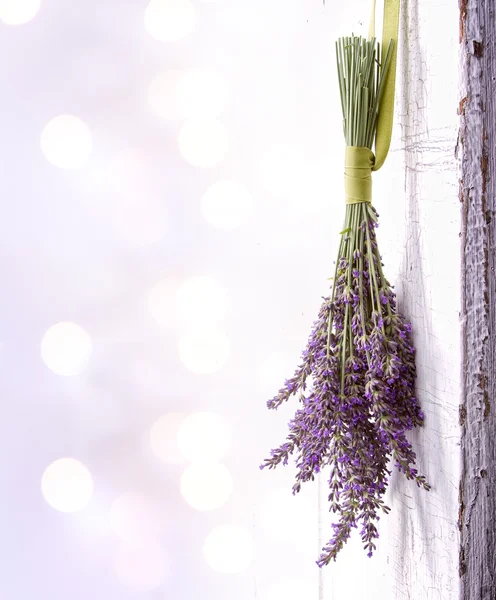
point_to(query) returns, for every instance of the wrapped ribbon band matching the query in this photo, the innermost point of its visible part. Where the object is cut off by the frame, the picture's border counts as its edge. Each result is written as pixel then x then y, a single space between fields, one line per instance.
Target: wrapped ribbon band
pixel 358 165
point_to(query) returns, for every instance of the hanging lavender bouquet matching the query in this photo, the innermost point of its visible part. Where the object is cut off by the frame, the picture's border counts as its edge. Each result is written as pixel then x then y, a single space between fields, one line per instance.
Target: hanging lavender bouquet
pixel 355 384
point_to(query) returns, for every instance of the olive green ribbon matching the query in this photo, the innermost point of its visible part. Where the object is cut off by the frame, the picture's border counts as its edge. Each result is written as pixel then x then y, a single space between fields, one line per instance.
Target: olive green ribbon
pixel 358 165
pixel 386 106
pixel 360 162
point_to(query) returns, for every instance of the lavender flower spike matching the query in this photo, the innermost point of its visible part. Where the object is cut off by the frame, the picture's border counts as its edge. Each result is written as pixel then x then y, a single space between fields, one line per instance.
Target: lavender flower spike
pixel 356 381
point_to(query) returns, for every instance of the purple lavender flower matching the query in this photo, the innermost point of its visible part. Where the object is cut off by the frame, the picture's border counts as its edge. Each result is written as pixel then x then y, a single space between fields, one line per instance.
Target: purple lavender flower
pixel 356 388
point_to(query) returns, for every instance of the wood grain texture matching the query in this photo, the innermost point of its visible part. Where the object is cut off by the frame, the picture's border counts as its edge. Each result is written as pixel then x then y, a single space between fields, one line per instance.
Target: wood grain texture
pixel 477 560
pixel 416 194
pixel 423 538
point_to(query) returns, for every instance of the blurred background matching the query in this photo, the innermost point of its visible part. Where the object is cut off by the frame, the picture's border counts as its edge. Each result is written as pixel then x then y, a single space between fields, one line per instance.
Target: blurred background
pixel 169 223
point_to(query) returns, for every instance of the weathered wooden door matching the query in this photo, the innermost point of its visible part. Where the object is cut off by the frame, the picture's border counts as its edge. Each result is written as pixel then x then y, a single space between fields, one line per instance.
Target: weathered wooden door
pixel 171 181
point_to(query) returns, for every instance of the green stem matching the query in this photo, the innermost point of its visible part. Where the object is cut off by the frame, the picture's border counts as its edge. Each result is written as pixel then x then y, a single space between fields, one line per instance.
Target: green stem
pixel 372 270
pixel 362 209
pixel 340 253
pixel 361 79
pixel 343 354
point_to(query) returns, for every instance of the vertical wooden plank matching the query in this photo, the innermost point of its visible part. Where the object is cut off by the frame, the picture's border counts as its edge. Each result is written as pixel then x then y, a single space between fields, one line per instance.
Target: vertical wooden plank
pixel 423 535
pixel 477 560
pixel 416 194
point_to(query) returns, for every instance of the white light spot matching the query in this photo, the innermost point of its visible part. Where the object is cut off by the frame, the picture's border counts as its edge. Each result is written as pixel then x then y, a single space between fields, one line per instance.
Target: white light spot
pixel 281 170
pixel 318 181
pixel 137 211
pixel 170 20
pixel 281 508
pixel 201 301
pixel 204 351
pixel 162 96
pixel 66 142
pixel 18 12
pixel 229 549
pixel 142 566
pixel 162 302
pixel 203 143
pixel 163 438
pixel 202 94
pixel 293 589
pixel 204 437
pixel 66 349
pixel 226 204
pixel 275 369
pixel 206 486
pixel 67 485
pixel 134 517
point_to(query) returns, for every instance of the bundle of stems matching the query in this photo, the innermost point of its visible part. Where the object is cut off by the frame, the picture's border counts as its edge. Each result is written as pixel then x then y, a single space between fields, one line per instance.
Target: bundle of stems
pixel 356 381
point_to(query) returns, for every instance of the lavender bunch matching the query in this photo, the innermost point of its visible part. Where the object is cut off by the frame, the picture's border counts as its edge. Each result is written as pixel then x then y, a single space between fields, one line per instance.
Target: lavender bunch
pixel 355 384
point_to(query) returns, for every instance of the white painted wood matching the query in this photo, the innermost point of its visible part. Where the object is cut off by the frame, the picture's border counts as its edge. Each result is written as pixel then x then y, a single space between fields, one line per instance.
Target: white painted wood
pixel 477 197
pixel 69 253
pixel 416 194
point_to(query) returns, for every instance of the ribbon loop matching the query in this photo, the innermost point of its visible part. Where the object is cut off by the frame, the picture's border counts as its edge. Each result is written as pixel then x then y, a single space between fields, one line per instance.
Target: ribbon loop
pixel 386 106
pixel 358 165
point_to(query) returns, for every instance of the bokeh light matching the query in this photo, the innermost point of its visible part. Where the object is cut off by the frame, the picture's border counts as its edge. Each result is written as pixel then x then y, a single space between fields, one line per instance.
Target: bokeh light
pixel 66 349
pixel 319 176
pixel 66 142
pixel 280 507
pixel 202 93
pixel 162 95
pixel 282 170
pixel 138 212
pixel 135 517
pixel 274 370
pixel 292 589
pixel 142 566
pixel 198 93
pixel 67 485
pixel 206 486
pixel 170 20
pixel 204 437
pixel 163 438
pixel 162 303
pixel 204 351
pixel 226 204
pixel 203 143
pixel 201 301
pixel 229 549
pixel 18 12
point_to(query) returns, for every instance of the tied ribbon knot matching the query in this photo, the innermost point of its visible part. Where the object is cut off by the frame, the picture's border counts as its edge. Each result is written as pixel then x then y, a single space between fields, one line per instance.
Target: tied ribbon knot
pixel 360 162
pixel 358 165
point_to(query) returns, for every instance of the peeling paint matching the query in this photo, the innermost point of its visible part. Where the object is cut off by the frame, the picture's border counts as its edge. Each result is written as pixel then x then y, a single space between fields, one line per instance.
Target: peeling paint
pixel 462 565
pixel 461 508
pixel 477 48
pixel 477 560
pixel 463 16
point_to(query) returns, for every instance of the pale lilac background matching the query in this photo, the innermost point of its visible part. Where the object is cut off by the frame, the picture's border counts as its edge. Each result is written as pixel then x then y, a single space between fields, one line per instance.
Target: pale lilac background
pixel 64 259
